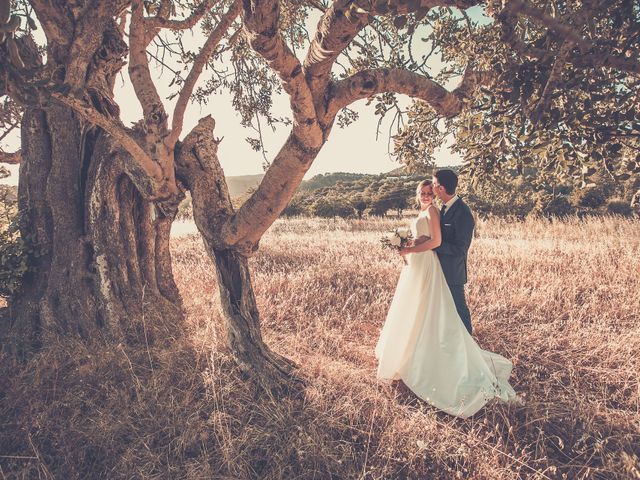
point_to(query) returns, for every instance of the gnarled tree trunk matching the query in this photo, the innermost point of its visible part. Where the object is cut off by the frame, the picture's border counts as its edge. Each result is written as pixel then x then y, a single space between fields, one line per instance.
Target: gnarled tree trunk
pixel 271 370
pixel 104 268
pixel 198 168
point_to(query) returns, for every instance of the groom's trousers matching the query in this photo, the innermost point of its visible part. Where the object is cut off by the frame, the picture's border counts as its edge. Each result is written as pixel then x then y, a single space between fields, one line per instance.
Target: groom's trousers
pixel 457 291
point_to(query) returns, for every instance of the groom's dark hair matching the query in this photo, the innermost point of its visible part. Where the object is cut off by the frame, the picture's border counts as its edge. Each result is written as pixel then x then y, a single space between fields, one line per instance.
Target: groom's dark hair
pixel 448 179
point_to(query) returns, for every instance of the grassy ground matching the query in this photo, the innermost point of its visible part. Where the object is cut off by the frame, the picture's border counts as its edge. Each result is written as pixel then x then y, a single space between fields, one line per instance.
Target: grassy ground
pixel 560 299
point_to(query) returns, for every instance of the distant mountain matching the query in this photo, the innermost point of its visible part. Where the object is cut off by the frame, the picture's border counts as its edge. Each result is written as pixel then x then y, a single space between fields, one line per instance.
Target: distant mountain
pixel 239 185
pixel 330 179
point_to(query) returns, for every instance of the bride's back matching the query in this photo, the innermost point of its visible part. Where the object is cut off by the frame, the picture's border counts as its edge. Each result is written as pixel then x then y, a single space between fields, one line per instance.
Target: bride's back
pixel 420 226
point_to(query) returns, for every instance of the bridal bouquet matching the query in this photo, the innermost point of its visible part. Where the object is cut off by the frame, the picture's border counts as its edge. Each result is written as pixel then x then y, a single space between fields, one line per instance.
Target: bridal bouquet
pixel 396 239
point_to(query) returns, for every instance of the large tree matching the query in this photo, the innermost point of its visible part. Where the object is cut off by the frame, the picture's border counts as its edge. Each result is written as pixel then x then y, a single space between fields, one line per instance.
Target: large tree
pixel 98 198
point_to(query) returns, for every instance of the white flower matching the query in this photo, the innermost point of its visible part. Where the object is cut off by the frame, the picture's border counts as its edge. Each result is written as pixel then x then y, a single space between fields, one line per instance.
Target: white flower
pixel 396 241
pixel 403 233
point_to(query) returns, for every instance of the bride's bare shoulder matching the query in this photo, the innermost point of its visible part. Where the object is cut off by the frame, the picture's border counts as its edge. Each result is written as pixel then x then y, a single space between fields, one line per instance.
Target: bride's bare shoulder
pixel 433 210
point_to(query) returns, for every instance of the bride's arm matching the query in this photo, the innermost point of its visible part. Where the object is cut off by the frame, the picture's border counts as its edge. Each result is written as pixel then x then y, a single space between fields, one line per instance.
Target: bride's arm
pixel 433 216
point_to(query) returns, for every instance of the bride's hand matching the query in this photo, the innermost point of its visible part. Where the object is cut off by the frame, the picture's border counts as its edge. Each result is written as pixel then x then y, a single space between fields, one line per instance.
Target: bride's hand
pixel 403 253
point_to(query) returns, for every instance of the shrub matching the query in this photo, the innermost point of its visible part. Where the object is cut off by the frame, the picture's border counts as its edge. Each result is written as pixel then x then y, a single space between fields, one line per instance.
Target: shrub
pixel 332 207
pixel 378 210
pixel 505 195
pixel 295 208
pixel 552 206
pixel 590 197
pixel 15 251
pixel 359 204
pixel 515 207
pixel 617 206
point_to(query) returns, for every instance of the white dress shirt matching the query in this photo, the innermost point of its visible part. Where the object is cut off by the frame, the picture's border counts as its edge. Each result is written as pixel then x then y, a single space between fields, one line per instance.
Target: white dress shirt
pixel 447 205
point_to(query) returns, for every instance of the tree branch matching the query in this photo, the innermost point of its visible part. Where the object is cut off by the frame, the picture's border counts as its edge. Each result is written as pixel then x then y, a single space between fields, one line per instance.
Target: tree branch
pixel 11 128
pixel 159 21
pixel 402 7
pixel 341 23
pixel 151 168
pixel 11 158
pixel 276 189
pixel 57 27
pixel 552 81
pixel 201 60
pixel 519 7
pixel 244 229
pixel 86 40
pixel 153 25
pixel 366 83
pixel 155 117
pixel 261 26
pixel 334 33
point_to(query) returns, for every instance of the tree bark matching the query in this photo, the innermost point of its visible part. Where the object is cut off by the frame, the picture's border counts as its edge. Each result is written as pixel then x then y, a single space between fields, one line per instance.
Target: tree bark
pixel 272 371
pixel 103 268
pixel 198 168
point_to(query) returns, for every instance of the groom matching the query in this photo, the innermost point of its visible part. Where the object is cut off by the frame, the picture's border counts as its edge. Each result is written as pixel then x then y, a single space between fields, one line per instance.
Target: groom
pixel 457 230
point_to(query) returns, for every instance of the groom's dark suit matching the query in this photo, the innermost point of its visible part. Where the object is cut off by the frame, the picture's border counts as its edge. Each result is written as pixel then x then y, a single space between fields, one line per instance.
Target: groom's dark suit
pixel 457 231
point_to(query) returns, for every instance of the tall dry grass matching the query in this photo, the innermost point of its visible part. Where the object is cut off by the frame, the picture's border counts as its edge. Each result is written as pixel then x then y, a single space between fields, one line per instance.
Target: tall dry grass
pixel 561 299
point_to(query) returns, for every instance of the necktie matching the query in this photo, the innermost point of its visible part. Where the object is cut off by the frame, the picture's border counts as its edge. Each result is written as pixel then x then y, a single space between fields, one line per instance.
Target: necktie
pixel 442 210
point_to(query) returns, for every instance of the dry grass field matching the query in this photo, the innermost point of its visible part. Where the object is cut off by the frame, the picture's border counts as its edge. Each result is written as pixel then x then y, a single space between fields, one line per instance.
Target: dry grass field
pixel 561 299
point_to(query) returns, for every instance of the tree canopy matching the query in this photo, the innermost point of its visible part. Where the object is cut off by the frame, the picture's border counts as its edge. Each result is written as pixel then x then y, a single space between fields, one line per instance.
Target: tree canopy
pixel 560 91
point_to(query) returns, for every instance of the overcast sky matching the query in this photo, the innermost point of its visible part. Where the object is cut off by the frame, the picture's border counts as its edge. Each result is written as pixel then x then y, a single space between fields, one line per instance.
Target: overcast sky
pixel 352 149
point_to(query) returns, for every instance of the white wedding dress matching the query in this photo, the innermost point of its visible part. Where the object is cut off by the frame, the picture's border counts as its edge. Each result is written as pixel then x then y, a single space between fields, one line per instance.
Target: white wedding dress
pixel 425 344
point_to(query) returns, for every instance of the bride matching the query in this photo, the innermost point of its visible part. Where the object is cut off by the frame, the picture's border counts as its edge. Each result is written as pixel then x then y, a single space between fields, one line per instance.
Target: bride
pixel 424 342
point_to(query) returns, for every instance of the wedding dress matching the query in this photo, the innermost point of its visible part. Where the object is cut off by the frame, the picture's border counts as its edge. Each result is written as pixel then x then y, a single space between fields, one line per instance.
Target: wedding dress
pixel 425 344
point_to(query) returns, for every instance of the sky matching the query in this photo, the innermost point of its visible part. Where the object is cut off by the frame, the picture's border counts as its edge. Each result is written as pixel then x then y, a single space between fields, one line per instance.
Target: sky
pixel 352 149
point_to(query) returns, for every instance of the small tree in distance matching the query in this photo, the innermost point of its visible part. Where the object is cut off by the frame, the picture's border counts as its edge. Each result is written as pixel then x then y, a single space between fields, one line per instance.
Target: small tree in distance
pixel 332 207
pixel 360 204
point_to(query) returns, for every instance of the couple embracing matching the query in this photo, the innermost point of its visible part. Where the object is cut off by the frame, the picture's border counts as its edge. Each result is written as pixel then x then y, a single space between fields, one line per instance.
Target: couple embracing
pixel 426 340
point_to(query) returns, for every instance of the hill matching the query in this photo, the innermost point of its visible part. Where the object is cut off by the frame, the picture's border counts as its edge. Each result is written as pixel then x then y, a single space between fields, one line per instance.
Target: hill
pixel 324 180
pixel 352 194
pixel 331 179
pixel 238 185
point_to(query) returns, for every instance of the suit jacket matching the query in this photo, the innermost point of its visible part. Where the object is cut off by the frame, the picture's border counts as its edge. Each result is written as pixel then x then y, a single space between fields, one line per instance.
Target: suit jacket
pixel 457 231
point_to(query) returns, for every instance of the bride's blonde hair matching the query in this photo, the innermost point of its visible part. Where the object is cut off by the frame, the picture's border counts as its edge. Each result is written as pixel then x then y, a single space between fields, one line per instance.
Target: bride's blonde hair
pixel 422 184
